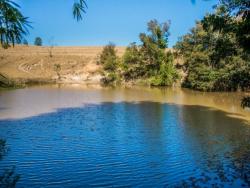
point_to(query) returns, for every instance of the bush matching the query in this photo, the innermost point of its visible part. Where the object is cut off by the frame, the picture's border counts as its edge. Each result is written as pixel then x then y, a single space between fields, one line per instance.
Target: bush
pixel 245 103
pixel 149 61
pixel 38 41
pixel 132 63
pixel 167 74
pixel 110 62
pixel 110 78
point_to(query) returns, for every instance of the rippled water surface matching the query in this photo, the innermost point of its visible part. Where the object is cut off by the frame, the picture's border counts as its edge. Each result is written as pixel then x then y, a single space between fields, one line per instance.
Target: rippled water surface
pixel 93 137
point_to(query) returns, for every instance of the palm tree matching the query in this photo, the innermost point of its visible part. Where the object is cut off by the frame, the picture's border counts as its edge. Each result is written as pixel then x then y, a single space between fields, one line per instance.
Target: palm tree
pixel 13 25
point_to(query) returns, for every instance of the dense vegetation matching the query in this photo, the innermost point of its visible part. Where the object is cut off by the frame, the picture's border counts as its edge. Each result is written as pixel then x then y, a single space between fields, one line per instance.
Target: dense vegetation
pixel 245 102
pixel 216 51
pixel 111 64
pixel 149 62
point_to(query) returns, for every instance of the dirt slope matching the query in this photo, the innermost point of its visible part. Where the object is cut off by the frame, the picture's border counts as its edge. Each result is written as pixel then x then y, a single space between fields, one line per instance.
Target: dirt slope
pixel 47 64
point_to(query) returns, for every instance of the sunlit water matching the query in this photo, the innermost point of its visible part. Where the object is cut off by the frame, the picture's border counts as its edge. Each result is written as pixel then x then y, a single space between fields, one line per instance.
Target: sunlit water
pixel 95 137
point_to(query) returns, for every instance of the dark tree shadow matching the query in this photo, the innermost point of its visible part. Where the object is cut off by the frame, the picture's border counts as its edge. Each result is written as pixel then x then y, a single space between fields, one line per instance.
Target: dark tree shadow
pixel 8 179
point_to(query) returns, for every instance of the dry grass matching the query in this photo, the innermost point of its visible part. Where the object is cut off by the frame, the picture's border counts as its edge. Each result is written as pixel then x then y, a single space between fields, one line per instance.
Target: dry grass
pixel 31 63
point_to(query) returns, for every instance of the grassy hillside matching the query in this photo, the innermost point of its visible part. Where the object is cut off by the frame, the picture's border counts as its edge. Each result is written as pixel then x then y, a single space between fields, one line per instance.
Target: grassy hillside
pixel 31 64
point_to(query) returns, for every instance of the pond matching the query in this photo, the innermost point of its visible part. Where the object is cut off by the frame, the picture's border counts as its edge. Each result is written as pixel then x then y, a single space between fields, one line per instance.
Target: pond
pixel 60 136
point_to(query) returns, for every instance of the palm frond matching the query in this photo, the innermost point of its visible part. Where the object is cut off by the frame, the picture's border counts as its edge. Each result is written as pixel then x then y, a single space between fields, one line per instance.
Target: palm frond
pixel 79 8
pixel 13 25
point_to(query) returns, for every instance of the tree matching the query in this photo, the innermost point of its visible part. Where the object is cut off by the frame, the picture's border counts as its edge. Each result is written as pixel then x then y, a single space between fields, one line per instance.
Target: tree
pixel 215 58
pixel 25 42
pixel 38 41
pixel 241 10
pixel 110 61
pixel 154 44
pixel 13 25
pixel 149 61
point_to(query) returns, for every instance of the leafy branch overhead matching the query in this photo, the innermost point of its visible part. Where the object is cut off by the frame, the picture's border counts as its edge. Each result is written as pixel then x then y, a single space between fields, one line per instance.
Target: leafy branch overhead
pixel 79 7
pixel 14 25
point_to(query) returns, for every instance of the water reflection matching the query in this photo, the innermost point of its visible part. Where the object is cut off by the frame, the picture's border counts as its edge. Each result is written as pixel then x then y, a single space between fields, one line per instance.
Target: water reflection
pixel 128 144
pixel 8 177
pixel 39 100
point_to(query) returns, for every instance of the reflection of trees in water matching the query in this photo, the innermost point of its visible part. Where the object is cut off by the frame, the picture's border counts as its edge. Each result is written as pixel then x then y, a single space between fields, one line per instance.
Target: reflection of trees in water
pixel 227 156
pixel 239 165
pixel 8 179
pixel 241 158
pixel 2 148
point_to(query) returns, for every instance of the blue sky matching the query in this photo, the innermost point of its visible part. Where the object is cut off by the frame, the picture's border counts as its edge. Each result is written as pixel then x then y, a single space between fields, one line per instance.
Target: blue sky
pixel 118 21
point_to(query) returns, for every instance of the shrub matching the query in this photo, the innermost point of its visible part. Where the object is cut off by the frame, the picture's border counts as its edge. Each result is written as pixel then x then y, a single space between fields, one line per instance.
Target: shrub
pixel 149 61
pixel 132 66
pixel 38 41
pixel 245 103
pixel 108 58
pixel 110 62
pixel 167 74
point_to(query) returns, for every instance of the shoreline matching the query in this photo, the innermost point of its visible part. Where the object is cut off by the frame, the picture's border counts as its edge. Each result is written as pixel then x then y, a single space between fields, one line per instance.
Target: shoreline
pixel 84 94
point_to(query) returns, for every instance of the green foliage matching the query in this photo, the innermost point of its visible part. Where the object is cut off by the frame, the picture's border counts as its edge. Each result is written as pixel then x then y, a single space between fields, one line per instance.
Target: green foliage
pixel 79 8
pixel 13 25
pixel 149 61
pixel 240 9
pixel 38 41
pixel 110 78
pixel 166 77
pixel 110 62
pixel 132 66
pixel 245 103
pixel 108 58
pixel 214 58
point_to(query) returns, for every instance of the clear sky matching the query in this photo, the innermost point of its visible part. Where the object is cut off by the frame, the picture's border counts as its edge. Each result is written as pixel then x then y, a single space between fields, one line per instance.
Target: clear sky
pixel 118 21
